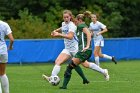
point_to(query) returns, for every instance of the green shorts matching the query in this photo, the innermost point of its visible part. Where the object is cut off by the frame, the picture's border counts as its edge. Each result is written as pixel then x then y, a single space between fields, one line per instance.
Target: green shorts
pixel 83 56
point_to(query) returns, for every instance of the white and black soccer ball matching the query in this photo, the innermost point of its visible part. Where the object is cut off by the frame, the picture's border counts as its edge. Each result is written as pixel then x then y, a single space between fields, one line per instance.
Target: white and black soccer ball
pixel 54 80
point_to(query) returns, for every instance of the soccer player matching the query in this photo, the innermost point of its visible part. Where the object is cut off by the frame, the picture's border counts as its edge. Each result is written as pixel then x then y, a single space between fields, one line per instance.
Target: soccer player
pixel 67 31
pixel 4 30
pixel 84 52
pixel 97 29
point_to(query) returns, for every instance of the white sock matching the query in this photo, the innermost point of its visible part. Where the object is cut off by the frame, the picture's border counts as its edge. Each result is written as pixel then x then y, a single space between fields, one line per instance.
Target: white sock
pixel 0 88
pixel 107 56
pixel 56 70
pixel 95 67
pixel 5 83
pixel 97 60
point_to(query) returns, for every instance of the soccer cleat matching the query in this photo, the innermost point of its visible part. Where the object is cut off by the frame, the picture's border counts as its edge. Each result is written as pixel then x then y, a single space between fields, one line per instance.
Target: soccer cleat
pixel 62 87
pixel 106 74
pixel 114 60
pixel 45 77
pixel 85 81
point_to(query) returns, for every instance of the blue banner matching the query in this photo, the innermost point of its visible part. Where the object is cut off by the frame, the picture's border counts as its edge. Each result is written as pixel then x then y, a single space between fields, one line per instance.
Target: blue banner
pixel 47 50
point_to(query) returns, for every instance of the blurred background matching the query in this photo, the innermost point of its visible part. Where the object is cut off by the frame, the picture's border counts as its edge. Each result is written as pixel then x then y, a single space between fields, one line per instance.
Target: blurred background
pixel 32 19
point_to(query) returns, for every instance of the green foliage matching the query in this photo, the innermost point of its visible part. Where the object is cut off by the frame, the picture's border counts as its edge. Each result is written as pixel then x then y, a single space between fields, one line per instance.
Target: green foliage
pixel 37 18
pixel 28 26
pixel 54 17
pixel 113 22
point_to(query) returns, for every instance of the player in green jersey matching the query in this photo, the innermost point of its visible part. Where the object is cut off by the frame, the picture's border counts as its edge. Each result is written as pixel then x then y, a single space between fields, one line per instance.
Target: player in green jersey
pixel 84 53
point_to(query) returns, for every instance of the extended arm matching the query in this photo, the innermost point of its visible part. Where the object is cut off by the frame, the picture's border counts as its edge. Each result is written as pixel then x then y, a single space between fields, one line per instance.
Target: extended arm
pixel 11 41
pixel 88 34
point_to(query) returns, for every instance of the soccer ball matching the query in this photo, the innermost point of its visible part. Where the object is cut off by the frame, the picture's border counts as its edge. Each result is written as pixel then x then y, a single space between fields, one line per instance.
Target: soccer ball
pixel 54 80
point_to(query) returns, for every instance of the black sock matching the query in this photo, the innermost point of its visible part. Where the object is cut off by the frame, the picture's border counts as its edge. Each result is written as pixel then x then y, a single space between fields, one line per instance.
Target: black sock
pixel 67 76
pixel 80 72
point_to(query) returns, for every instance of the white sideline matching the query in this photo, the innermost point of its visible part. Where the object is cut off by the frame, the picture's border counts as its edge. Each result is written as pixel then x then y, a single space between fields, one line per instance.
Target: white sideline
pixel 115 81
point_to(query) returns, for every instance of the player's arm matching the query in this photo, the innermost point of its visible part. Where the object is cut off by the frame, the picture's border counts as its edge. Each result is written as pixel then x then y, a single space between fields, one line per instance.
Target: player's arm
pixel 70 35
pixel 10 36
pixel 88 34
pixel 103 31
pixel 103 27
pixel 92 32
pixel 56 30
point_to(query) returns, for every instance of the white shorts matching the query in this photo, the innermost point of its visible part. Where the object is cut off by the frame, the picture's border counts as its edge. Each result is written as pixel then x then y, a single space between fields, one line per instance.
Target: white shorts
pixel 99 43
pixel 66 51
pixel 3 58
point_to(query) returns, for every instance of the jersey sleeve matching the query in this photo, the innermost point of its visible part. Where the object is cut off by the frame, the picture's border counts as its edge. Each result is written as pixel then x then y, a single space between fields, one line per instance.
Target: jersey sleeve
pixel 102 25
pixel 90 27
pixel 72 28
pixel 61 25
pixel 8 29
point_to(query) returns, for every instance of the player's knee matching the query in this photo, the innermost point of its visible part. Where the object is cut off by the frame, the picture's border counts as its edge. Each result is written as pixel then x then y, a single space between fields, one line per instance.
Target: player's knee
pixel 85 65
pixel 69 69
pixel 59 62
pixel 72 64
pixel 100 55
pixel 96 53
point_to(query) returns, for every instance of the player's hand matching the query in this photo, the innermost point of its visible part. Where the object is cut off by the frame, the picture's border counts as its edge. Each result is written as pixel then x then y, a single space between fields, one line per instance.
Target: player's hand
pixel 52 33
pixel 85 49
pixel 98 34
pixel 10 48
pixel 55 34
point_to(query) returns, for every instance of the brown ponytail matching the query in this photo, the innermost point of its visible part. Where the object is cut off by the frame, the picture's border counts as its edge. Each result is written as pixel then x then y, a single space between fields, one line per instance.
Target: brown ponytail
pixel 87 14
pixel 80 16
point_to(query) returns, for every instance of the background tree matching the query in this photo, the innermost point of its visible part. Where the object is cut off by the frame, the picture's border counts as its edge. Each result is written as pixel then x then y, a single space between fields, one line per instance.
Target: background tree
pixel 37 18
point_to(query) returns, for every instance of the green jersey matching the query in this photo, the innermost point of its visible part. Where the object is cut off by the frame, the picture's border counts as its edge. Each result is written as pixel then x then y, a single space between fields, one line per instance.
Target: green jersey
pixel 82 36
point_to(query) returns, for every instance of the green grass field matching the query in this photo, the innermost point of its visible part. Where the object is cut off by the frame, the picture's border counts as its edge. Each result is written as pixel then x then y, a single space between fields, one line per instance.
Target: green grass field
pixel 124 78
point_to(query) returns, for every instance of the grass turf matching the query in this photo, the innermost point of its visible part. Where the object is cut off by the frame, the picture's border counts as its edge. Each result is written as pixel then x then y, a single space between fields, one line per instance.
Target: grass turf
pixel 124 78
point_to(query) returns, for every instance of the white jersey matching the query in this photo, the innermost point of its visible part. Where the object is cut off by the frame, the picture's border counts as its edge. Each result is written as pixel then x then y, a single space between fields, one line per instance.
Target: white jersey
pixel 4 30
pixel 97 27
pixel 71 45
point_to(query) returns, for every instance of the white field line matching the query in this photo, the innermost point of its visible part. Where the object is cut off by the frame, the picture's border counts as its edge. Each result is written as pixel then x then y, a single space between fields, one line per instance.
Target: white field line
pixel 116 81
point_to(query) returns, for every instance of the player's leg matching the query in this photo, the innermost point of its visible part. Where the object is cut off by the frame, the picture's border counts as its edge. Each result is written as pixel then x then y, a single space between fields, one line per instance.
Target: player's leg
pixel 63 56
pixel 108 57
pixel 81 74
pixel 105 55
pixel 78 59
pixel 68 72
pixel 0 88
pixel 93 66
pixel 3 76
pixel 96 54
pixel 80 71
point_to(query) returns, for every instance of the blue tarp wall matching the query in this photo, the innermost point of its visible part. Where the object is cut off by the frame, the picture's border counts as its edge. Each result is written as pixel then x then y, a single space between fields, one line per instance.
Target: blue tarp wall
pixel 46 50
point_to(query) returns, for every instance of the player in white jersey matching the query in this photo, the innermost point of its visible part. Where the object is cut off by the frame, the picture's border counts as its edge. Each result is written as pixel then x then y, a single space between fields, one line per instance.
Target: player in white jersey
pixel 4 30
pixel 98 28
pixel 67 31
pixel 83 54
